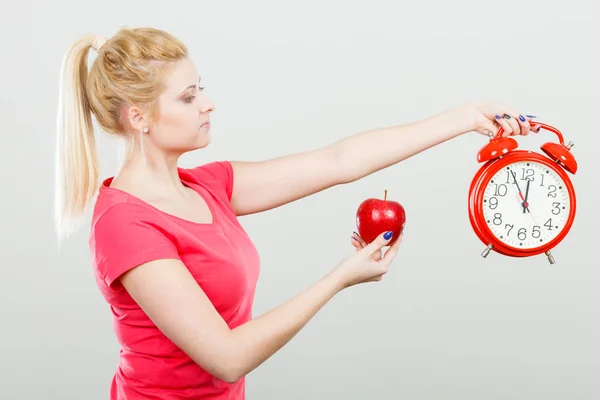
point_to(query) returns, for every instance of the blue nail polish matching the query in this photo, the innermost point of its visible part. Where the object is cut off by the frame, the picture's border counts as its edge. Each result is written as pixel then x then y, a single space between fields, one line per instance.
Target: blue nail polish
pixel 531 116
pixel 522 118
pixel 498 117
pixel 387 235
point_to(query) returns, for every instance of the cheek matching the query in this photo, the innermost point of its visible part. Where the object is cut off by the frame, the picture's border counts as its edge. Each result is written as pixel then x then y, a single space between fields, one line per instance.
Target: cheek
pixel 177 127
pixel 183 118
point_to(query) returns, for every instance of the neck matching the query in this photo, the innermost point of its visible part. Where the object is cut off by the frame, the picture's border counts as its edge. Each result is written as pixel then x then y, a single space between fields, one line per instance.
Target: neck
pixel 153 173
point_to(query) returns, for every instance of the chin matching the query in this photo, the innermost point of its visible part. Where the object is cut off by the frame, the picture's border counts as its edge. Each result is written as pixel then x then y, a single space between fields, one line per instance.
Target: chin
pixel 202 141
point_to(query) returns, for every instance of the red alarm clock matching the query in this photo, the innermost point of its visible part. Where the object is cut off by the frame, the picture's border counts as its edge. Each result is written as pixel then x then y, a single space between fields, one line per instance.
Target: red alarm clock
pixel 522 203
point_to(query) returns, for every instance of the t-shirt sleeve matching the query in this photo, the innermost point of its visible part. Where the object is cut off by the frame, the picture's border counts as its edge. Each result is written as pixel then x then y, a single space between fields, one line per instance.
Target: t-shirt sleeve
pixel 219 174
pixel 126 236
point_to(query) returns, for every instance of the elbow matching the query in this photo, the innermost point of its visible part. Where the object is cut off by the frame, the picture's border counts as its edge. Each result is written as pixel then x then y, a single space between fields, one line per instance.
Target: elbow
pixel 229 374
pixel 228 369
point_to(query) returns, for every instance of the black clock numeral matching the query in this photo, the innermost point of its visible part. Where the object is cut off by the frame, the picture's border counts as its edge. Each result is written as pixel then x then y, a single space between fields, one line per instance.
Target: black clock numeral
pixel 555 207
pixel 493 203
pixel 522 234
pixel 542 179
pixel 497 219
pixel 552 191
pixel 500 190
pixel 535 232
pixel 527 174
pixel 548 224
pixel 509 229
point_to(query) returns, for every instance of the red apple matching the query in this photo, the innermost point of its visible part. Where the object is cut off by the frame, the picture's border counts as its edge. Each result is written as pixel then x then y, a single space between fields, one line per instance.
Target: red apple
pixel 376 216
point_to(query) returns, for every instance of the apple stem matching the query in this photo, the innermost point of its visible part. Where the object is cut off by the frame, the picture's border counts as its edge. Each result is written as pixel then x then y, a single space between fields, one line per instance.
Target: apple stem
pixel 385 194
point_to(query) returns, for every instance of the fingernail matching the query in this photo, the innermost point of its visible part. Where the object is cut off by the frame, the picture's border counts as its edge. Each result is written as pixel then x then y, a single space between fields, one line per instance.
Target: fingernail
pixel 498 117
pixel 387 235
pixel 353 238
pixel 506 116
pixel 531 116
pixel 538 128
pixel 522 118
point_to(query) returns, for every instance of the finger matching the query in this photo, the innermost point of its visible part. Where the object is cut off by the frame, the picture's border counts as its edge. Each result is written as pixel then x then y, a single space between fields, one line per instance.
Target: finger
pixel 382 240
pixel 536 128
pixel 355 243
pixel 359 244
pixel 390 254
pixel 490 129
pixel 359 239
pixel 378 255
pixel 503 122
pixel 513 122
pixel 524 126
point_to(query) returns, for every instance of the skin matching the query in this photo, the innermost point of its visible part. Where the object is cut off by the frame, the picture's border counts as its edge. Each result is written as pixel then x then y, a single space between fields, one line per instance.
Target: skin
pixel 166 291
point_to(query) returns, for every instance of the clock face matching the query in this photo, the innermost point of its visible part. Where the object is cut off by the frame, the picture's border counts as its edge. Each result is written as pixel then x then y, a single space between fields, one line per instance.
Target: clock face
pixel 526 204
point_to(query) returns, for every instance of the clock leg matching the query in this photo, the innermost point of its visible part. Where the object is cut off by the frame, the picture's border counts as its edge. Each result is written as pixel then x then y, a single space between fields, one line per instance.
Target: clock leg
pixel 486 251
pixel 550 257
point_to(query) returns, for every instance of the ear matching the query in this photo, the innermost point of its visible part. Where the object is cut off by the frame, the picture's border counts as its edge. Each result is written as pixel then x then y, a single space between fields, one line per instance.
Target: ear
pixel 137 118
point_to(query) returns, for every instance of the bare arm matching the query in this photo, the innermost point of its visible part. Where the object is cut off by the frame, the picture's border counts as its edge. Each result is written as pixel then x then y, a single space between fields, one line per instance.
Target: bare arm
pixel 172 299
pixel 168 294
pixel 263 185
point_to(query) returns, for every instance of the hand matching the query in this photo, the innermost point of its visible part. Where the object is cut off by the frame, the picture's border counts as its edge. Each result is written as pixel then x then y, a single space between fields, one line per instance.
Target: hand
pixel 369 263
pixel 486 118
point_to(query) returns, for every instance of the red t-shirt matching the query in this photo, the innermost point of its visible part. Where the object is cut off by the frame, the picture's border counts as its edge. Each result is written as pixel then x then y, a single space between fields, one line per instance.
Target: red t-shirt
pixel 127 232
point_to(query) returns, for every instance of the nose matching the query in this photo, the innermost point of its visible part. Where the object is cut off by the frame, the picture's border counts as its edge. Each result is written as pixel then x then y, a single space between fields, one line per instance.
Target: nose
pixel 206 105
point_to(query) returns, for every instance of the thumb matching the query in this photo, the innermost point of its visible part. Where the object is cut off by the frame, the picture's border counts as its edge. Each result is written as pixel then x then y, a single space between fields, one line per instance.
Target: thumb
pixel 376 245
pixel 490 129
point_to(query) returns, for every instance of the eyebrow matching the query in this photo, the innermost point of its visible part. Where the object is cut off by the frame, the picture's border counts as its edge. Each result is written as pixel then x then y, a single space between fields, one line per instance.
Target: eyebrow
pixel 193 85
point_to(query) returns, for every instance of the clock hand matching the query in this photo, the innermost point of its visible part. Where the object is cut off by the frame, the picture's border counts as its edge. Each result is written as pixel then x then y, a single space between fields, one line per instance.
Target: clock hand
pixel 518 188
pixel 525 203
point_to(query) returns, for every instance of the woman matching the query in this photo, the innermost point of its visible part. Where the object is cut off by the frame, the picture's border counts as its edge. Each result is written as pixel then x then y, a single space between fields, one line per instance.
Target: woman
pixel 170 256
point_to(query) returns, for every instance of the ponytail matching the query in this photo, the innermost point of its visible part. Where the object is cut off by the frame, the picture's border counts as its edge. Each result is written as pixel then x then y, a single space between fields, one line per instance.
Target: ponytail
pixel 130 69
pixel 76 163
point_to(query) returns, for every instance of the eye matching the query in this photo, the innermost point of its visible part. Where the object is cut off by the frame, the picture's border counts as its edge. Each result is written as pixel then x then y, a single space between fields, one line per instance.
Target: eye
pixel 201 88
pixel 189 99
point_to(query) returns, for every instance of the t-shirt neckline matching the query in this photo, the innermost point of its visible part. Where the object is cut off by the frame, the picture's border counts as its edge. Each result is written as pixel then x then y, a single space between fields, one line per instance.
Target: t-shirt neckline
pixel 196 187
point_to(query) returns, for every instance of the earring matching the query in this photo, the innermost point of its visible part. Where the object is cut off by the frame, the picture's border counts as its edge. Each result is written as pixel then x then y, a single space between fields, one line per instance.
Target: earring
pixel 145 130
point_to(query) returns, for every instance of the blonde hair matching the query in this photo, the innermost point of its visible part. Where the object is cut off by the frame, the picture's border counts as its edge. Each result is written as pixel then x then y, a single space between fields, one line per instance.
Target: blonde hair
pixel 130 69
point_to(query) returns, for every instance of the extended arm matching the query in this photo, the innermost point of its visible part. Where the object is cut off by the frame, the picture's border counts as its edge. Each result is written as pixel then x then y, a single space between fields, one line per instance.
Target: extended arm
pixel 263 185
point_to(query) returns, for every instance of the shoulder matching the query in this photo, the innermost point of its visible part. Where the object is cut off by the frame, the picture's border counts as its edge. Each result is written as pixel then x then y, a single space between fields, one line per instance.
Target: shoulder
pixel 116 208
pixel 125 233
pixel 216 175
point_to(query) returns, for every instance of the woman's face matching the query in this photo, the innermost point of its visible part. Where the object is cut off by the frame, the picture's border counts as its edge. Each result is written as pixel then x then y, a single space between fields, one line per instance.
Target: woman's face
pixel 182 123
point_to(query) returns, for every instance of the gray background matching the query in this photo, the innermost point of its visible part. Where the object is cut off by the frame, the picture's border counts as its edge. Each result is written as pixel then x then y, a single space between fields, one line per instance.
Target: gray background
pixel 287 77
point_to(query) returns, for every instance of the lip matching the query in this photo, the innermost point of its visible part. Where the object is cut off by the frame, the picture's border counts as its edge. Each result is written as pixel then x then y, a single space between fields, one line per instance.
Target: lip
pixel 205 125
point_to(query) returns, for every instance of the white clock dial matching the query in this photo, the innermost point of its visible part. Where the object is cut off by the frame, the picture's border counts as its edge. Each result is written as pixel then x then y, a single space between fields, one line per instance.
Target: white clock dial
pixel 531 223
